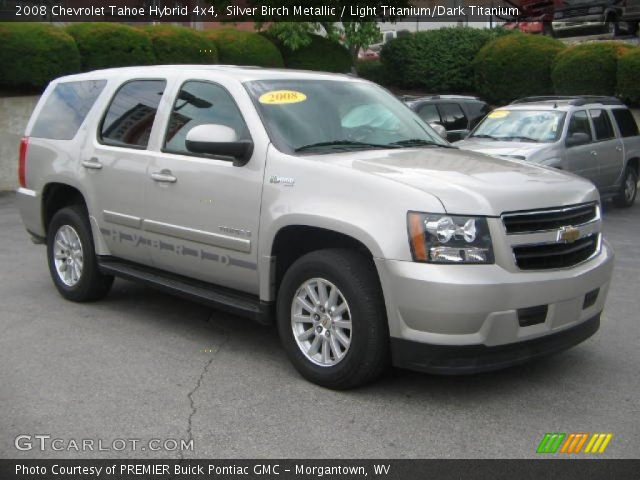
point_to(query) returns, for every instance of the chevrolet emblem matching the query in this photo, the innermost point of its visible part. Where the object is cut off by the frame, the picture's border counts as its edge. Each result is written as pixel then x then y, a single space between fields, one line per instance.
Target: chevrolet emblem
pixel 568 234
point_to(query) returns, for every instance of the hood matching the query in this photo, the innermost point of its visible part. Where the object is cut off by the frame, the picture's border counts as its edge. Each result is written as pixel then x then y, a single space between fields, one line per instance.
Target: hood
pixel 470 183
pixel 496 147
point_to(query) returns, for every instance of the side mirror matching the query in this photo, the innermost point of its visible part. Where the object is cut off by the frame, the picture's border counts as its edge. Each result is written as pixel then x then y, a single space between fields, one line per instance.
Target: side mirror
pixel 439 128
pixel 219 140
pixel 578 138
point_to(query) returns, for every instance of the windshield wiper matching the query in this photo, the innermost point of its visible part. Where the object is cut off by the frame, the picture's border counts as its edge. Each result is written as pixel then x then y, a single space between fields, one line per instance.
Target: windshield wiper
pixel 482 135
pixel 414 142
pixel 342 144
pixel 520 137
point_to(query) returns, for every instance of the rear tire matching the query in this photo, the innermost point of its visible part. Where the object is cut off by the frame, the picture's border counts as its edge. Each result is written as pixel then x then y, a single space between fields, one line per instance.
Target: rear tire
pixel 628 190
pixel 72 259
pixel 350 286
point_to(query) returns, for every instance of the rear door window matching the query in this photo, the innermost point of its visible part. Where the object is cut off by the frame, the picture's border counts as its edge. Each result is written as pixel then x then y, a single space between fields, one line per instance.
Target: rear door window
pixel 131 114
pixel 601 124
pixel 66 108
pixel 452 116
pixel 626 123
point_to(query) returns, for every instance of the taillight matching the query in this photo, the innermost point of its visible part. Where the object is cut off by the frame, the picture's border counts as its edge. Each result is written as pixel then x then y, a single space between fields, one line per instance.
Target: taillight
pixel 22 162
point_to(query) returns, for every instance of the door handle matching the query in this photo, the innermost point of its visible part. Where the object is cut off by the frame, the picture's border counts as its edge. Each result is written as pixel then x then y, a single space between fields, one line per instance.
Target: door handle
pixel 164 176
pixel 619 148
pixel 594 153
pixel 92 164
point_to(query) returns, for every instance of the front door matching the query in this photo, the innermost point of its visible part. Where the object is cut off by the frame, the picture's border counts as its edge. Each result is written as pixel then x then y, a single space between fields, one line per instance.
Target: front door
pixel 203 212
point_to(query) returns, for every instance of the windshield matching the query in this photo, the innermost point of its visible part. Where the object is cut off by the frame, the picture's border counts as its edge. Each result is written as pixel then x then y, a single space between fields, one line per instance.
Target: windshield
pixel 325 116
pixel 521 125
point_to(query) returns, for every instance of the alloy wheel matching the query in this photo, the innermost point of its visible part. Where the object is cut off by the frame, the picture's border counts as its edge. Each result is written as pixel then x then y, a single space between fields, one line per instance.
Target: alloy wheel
pixel 321 322
pixel 68 255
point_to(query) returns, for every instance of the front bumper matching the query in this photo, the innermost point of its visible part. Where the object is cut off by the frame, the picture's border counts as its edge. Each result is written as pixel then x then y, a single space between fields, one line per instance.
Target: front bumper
pixel 447 360
pixel 446 307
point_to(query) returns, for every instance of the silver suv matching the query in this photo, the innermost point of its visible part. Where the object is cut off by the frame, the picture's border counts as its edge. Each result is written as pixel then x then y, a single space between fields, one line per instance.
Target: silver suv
pixel 594 137
pixel 319 204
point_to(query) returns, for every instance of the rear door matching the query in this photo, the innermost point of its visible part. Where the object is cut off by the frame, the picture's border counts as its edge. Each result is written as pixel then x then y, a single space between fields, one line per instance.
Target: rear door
pixel 204 211
pixel 607 148
pixel 581 158
pixel 114 164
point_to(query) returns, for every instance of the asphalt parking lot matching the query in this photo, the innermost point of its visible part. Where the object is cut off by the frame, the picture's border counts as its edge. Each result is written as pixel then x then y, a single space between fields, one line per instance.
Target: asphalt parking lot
pixel 143 365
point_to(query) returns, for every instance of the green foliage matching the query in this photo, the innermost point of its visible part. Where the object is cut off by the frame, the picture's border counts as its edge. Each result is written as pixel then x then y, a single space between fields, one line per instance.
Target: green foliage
pixel 180 45
pixel 588 68
pixel 238 47
pixel 321 54
pixel 106 45
pixel 515 65
pixel 293 35
pixel 359 35
pixel 32 54
pixel 436 60
pixel 372 70
pixel 629 76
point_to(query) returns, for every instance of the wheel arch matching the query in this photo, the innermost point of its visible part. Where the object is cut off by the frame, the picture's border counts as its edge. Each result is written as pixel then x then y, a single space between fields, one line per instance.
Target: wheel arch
pixel 292 241
pixel 57 195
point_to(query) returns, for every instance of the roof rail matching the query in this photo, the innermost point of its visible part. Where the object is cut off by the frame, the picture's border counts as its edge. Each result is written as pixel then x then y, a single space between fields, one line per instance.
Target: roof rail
pixel 407 98
pixel 576 100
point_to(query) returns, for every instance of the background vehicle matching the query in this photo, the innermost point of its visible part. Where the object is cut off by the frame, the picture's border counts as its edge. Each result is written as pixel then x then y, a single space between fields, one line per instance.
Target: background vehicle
pixel 535 16
pixel 584 15
pixel 458 114
pixel 317 204
pixel 594 137
pixel 631 15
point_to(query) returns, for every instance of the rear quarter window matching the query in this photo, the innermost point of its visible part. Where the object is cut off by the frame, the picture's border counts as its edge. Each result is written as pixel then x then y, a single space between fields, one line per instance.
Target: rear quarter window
pixel 66 108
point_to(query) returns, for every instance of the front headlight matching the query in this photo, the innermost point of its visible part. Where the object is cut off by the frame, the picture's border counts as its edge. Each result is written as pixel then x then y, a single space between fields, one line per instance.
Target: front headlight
pixel 441 238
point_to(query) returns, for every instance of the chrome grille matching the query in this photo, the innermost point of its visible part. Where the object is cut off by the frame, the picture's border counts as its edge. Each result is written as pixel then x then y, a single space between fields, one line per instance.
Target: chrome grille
pixel 544 220
pixel 555 255
pixel 553 238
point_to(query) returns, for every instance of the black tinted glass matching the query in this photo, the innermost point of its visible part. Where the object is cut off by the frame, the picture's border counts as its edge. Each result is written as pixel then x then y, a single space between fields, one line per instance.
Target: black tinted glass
pixel 200 103
pixel 131 114
pixel 452 116
pixel 626 123
pixel 601 124
pixel 66 108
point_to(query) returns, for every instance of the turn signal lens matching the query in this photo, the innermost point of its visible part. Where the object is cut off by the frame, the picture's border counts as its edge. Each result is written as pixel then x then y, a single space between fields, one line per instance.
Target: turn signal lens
pixel 417 238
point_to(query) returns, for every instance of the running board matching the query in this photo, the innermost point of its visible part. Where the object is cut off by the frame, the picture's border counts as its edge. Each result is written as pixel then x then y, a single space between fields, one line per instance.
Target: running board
pixel 220 298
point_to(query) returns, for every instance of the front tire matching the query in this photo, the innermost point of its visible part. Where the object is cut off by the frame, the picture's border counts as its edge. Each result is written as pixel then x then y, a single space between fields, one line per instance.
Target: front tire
pixel 72 259
pixel 332 320
pixel 628 190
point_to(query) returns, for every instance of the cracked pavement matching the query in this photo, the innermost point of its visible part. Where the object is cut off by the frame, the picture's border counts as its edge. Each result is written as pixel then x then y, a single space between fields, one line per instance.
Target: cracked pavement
pixel 143 365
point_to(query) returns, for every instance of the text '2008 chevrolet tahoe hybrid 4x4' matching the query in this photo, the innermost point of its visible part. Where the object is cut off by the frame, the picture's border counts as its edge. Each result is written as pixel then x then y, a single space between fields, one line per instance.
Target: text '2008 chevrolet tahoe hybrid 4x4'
pixel 316 202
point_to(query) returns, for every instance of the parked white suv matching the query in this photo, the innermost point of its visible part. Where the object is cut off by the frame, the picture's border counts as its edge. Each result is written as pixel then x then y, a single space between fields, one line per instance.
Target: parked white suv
pixel 594 137
pixel 318 202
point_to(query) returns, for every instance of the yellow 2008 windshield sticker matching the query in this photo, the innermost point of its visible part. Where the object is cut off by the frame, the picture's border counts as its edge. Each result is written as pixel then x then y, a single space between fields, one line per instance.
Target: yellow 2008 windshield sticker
pixel 281 97
pixel 499 114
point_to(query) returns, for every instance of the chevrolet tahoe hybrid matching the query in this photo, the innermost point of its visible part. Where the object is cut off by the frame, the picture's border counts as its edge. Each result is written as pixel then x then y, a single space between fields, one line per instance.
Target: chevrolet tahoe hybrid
pixel 316 203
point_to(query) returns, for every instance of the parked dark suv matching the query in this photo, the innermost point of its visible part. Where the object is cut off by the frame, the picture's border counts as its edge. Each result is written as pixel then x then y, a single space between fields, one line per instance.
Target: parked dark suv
pixel 631 15
pixel 458 114
pixel 583 15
